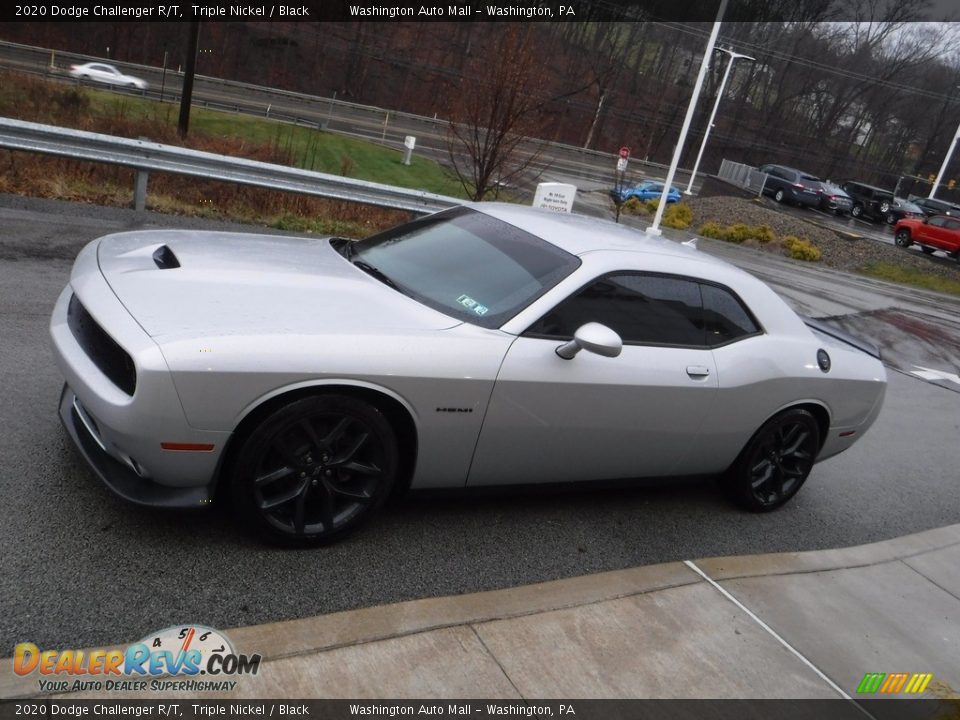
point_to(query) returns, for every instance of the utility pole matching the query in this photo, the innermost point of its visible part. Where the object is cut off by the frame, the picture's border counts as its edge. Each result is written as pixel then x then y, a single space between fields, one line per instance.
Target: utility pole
pixel 678 149
pixel 723 84
pixel 946 160
pixel 187 95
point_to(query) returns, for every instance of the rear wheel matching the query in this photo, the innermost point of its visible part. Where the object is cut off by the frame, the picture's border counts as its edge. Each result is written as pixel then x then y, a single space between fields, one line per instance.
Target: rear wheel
pixel 902 238
pixel 779 196
pixel 315 470
pixel 884 207
pixel 856 210
pixel 891 219
pixel 776 462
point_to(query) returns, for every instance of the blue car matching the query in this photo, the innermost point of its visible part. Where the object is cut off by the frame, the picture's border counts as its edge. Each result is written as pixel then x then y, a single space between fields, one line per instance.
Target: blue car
pixel 646 191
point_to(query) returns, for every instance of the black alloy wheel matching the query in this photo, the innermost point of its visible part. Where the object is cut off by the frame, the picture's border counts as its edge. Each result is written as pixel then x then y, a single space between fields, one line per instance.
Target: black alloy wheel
pixel 315 470
pixel 776 462
pixel 902 238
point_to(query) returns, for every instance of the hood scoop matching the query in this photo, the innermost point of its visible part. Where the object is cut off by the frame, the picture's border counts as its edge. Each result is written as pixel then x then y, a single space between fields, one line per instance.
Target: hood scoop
pixel 165 258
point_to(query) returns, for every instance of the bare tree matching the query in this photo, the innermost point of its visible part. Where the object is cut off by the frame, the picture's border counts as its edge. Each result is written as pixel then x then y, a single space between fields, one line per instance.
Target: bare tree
pixel 493 116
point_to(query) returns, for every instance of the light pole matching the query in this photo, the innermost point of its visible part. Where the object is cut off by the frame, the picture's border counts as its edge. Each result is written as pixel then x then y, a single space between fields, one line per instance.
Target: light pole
pixel 943 168
pixel 654 229
pixel 713 114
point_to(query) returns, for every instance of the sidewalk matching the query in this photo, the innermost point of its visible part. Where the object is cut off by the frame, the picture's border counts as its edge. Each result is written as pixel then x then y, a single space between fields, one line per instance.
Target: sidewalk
pixel 794 625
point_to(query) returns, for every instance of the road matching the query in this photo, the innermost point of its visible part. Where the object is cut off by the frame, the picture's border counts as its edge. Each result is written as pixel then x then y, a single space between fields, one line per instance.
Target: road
pixel 81 567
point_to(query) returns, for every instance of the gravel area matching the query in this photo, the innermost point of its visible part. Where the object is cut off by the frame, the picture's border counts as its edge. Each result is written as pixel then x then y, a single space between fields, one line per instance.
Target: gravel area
pixel 838 252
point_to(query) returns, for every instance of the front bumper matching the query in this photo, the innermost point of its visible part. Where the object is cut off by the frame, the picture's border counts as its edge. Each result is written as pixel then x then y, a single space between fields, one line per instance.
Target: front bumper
pixel 122 479
pixel 120 434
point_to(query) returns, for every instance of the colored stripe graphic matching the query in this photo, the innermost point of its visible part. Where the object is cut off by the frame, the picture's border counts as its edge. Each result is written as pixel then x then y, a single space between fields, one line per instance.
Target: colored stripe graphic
pixel 918 683
pixel 871 682
pixel 893 683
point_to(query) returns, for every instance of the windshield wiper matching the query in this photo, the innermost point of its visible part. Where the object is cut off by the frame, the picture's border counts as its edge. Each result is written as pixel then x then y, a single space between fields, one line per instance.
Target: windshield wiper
pixel 374 272
pixel 343 246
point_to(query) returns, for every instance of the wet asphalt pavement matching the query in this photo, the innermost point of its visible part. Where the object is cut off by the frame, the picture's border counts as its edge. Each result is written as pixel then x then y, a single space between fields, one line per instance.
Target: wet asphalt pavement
pixel 81 567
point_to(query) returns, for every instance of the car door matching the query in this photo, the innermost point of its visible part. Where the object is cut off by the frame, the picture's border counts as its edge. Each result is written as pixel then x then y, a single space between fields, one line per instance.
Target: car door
pixel 933 232
pixel 593 417
pixel 100 73
pixel 951 236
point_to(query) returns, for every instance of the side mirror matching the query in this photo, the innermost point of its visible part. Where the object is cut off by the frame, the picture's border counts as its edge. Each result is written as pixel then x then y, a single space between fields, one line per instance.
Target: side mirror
pixel 592 337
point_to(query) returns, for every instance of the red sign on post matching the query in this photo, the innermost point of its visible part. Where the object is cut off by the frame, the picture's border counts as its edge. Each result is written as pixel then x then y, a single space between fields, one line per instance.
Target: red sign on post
pixel 625 152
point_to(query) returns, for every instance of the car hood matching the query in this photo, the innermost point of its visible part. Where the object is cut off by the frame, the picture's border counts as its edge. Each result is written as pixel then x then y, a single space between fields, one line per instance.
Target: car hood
pixel 185 283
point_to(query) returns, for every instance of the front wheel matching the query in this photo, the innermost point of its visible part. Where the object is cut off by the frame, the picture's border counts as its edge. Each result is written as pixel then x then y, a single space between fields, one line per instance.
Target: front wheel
pixel 856 210
pixel 776 462
pixel 314 470
pixel 779 196
pixel 902 238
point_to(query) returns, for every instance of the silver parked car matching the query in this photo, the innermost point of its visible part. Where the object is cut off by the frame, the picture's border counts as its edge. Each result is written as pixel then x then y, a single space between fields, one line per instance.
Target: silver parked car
pixel 107 74
pixel 307 379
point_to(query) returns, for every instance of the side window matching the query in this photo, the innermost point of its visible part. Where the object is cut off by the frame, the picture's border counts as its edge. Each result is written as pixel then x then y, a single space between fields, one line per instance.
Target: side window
pixel 952 225
pixel 725 317
pixel 642 309
pixel 937 221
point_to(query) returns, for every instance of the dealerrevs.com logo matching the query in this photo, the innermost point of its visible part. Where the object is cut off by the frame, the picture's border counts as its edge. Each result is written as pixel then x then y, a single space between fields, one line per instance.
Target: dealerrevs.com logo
pixel 190 658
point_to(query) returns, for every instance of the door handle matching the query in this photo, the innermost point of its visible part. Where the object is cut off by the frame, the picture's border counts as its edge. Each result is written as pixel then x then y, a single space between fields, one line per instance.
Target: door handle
pixel 697 371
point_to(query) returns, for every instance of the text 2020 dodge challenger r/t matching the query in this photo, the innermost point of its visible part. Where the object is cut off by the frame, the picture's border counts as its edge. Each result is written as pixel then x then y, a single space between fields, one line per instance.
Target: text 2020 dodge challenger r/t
pixel 306 379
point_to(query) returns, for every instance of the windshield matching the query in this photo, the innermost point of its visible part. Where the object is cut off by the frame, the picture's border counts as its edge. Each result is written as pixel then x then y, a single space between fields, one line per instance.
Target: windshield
pixel 464 263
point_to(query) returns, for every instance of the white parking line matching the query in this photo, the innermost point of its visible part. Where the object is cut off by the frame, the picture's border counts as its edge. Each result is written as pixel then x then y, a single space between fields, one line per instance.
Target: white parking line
pixel 931 374
pixel 776 636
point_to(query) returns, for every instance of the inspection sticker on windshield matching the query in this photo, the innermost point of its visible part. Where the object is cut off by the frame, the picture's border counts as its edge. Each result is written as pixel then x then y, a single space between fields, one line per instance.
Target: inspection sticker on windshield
pixel 469 302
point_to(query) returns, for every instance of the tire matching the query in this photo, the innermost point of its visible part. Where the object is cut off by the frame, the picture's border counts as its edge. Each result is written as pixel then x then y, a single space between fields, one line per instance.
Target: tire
pixel 902 238
pixel 776 462
pixel 884 207
pixel 779 196
pixel 891 219
pixel 856 211
pixel 315 470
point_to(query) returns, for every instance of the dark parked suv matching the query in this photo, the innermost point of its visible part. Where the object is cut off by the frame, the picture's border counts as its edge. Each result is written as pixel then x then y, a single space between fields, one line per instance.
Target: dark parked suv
pixel 787 184
pixel 932 206
pixel 868 201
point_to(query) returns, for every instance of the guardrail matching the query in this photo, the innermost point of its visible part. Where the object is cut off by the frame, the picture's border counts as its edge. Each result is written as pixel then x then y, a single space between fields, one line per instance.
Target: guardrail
pixel 145 156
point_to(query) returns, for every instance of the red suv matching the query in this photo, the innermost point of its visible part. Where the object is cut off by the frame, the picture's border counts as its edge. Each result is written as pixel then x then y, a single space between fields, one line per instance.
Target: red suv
pixel 938 232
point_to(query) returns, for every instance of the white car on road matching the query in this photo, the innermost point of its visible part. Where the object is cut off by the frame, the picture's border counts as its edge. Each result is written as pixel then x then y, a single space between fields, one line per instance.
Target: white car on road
pixel 107 74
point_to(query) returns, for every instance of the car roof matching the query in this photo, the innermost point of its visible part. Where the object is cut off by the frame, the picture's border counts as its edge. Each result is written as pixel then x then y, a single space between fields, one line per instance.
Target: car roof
pixel 579 234
pixel 869 187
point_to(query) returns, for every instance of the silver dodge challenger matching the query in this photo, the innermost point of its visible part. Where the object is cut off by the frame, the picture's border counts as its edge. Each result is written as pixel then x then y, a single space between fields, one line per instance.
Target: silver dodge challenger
pixel 306 380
